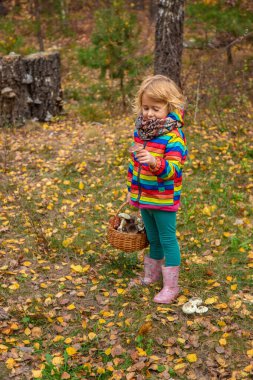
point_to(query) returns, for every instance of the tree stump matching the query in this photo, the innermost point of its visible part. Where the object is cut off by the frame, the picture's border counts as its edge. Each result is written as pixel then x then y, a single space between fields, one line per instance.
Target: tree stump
pixel 30 87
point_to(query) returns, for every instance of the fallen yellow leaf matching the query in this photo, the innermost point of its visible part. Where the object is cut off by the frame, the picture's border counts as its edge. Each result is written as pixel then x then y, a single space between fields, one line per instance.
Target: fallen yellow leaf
pixel 206 211
pixel 108 351
pixel 84 324
pixel 27 263
pixel 14 286
pixel 250 255
pixel 141 352
pixel 91 335
pixel 27 331
pixel 192 358
pixel 221 306
pixel 58 360
pixel 71 307
pixel 14 326
pixel 223 341
pixel 154 357
pixel 249 368
pixel 67 242
pixel 79 268
pixel 236 304
pixel 145 328
pixel 57 338
pixel 107 313
pixel 71 351
pixel 211 300
pixel 3 348
pixel 120 291
pixel 179 366
pixel 37 374
pixel 10 363
pixel 100 370
pixel 250 353
pixel 76 268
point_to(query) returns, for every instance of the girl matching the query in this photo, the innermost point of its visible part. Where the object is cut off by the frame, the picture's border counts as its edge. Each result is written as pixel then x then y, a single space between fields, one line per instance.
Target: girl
pixel 154 177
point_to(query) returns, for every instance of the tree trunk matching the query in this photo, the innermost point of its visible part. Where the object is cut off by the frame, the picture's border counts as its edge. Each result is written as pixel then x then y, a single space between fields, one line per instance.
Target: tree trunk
pixel 64 13
pixel 30 87
pixel 3 9
pixel 169 38
pixel 229 55
pixel 152 10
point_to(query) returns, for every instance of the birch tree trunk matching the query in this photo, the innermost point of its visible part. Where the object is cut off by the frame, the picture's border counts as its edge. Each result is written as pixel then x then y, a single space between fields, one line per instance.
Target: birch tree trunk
pixel 169 38
pixel 64 13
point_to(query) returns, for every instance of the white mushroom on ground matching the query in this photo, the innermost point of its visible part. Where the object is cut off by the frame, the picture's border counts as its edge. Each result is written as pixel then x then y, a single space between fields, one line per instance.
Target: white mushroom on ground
pixel 196 301
pixel 193 306
pixel 189 308
pixel 202 309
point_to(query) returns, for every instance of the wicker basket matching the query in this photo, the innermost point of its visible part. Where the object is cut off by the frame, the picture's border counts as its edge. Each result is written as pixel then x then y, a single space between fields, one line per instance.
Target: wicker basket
pixel 127 242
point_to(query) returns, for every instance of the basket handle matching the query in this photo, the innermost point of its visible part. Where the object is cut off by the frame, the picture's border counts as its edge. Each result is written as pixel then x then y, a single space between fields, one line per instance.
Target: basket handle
pixel 121 207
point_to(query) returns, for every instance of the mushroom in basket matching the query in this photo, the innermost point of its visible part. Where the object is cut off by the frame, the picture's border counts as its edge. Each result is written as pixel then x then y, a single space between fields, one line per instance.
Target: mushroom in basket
pixel 129 223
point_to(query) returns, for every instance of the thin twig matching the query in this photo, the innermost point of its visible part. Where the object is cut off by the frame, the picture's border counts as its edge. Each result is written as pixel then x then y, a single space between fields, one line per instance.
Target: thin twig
pixel 239 39
pixel 197 96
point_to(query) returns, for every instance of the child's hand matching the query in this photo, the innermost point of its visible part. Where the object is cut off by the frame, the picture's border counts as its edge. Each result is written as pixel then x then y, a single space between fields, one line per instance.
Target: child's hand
pixel 144 157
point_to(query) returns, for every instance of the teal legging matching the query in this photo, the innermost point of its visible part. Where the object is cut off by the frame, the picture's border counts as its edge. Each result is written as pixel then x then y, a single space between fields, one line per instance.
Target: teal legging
pixel 161 232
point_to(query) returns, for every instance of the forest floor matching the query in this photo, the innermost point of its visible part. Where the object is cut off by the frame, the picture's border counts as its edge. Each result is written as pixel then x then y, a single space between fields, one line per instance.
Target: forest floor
pixel 72 306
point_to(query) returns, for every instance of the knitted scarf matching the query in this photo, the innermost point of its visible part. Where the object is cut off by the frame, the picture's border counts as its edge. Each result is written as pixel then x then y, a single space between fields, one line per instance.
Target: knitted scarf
pixel 148 129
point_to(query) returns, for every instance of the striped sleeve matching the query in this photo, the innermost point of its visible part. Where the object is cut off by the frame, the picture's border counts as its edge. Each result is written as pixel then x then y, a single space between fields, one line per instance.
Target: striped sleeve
pixel 130 173
pixel 170 166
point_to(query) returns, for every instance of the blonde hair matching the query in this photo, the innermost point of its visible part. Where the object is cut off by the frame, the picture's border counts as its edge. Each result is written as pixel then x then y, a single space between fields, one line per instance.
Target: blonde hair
pixel 161 89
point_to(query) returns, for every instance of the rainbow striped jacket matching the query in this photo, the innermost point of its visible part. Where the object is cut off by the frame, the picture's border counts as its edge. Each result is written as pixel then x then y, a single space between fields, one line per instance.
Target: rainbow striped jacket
pixel 159 188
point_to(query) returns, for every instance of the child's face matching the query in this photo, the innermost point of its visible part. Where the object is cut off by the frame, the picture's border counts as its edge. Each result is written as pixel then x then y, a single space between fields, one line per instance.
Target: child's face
pixel 152 108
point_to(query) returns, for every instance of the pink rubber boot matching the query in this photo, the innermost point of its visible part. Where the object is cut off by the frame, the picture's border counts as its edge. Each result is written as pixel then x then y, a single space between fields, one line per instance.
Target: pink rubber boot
pixel 170 288
pixel 152 270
